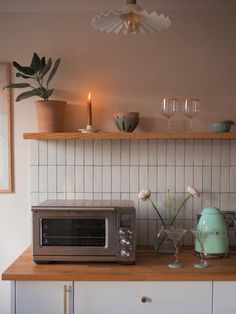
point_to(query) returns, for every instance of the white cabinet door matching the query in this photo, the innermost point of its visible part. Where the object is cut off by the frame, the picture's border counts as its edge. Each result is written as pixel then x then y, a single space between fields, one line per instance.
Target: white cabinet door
pixel 128 297
pixel 224 293
pixel 44 297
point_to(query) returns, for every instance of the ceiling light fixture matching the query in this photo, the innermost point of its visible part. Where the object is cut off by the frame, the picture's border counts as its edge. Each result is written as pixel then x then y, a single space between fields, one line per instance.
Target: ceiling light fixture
pixel 131 18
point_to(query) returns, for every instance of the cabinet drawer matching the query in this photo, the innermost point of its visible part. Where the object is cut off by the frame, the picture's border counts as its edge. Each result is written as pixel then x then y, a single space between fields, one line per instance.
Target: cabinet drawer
pixel 224 297
pixel 44 297
pixel 143 297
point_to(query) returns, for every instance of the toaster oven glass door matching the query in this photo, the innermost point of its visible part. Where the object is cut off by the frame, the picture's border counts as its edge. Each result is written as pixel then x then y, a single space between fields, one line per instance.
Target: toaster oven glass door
pixel 73 232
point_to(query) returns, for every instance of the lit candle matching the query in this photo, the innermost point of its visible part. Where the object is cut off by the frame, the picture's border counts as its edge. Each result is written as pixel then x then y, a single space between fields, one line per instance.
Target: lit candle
pixel 89 109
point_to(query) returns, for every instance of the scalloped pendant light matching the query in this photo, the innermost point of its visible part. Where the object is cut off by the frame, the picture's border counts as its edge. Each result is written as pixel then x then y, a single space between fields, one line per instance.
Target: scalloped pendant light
pixel 131 18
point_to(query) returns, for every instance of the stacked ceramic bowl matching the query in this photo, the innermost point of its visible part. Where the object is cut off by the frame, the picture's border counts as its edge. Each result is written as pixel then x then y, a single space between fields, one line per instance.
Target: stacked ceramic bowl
pixel 224 126
pixel 126 121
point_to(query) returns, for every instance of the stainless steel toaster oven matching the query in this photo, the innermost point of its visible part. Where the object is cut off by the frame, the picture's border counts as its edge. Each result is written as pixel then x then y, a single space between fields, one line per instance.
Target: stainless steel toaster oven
pixel 74 230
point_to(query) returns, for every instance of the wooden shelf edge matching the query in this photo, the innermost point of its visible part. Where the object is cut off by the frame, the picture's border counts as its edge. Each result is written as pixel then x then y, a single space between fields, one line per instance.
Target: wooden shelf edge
pixel 133 135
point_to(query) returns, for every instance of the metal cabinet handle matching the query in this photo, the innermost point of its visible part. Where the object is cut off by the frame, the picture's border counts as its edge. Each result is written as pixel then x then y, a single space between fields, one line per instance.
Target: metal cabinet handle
pixel 66 290
pixel 145 299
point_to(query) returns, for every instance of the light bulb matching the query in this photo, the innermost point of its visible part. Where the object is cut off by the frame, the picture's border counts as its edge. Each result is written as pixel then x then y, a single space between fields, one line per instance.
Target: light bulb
pixel 131 21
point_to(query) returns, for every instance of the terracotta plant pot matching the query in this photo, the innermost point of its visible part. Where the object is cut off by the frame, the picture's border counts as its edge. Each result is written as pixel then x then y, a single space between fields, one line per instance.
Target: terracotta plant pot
pixel 50 115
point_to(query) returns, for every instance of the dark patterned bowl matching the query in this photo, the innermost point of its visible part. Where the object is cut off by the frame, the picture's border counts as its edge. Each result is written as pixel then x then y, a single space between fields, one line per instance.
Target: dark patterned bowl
pixel 126 121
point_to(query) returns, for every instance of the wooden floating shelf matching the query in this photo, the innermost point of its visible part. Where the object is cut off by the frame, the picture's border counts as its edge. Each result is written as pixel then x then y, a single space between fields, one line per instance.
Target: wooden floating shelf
pixel 133 135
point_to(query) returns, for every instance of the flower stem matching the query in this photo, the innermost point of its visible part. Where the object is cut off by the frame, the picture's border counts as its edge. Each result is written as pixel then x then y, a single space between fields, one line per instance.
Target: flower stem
pixel 150 200
pixel 181 206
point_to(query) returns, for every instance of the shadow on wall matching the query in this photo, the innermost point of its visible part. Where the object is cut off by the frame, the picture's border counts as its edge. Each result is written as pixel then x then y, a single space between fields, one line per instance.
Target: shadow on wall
pixel 149 124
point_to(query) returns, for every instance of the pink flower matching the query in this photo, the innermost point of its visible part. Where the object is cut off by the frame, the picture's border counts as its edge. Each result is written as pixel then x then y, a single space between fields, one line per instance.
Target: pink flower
pixel 144 195
pixel 193 191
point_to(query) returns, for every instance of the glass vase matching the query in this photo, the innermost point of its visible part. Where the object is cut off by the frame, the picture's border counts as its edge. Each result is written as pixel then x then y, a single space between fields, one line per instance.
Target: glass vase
pixel 162 243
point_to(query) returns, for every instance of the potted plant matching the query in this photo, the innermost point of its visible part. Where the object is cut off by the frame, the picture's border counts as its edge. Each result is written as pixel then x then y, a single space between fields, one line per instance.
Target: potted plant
pixel 50 113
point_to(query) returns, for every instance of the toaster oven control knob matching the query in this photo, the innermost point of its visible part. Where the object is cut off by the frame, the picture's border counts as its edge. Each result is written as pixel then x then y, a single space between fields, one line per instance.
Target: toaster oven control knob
pixel 125 253
pixel 122 232
pixel 125 241
pixel 129 231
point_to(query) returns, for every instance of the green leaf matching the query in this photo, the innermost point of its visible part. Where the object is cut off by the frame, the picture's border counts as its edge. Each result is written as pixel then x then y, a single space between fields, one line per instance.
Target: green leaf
pixel 24 70
pixel 42 64
pixel 46 68
pixel 28 94
pixel 35 63
pixel 49 92
pixel 24 76
pixel 56 65
pixel 17 85
pixel 41 92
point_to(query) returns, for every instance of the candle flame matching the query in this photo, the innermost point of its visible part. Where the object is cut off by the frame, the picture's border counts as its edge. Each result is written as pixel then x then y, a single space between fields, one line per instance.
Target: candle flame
pixel 89 96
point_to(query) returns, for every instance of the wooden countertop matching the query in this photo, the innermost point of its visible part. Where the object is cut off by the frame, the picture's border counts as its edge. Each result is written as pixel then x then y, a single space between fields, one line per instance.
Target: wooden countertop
pixel 149 266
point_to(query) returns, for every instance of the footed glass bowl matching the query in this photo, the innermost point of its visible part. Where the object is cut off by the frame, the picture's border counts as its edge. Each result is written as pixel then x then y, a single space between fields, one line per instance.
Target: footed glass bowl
pixel 126 121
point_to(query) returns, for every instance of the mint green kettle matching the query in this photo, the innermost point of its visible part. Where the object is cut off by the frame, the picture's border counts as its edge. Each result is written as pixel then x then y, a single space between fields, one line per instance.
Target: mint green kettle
pixel 217 242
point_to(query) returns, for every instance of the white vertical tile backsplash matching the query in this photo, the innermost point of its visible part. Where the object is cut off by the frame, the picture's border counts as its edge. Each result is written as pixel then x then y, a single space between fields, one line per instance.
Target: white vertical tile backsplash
pixel 115 157
pixel 115 179
pixel 43 152
pixel 88 152
pixel 225 152
pixel 143 178
pixel 152 152
pixel 134 179
pixel 97 158
pixel 134 152
pixel 216 150
pixel 61 179
pixel 143 152
pixel 124 179
pixel 125 152
pixel 106 179
pixel 179 153
pixel 225 179
pixel 106 153
pixel 88 179
pixel 52 153
pixel 161 152
pixel 216 179
pixel 161 178
pixel 34 155
pixel 79 152
pixel 79 179
pixel 232 179
pixel 119 169
pixel 97 179
pixel 52 179
pixel 70 152
pixel 207 152
pixel 179 185
pixel 43 178
pixel 70 179
pixel 34 177
pixel 189 153
pixel 61 152
pixel 152 178
pixel 197 152
pixel 232 158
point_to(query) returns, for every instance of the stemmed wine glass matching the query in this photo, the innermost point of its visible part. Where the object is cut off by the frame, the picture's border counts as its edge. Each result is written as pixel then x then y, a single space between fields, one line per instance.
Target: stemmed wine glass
pixel 169 106
pixel 191 106
pixel 175 235
pixel 201 236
